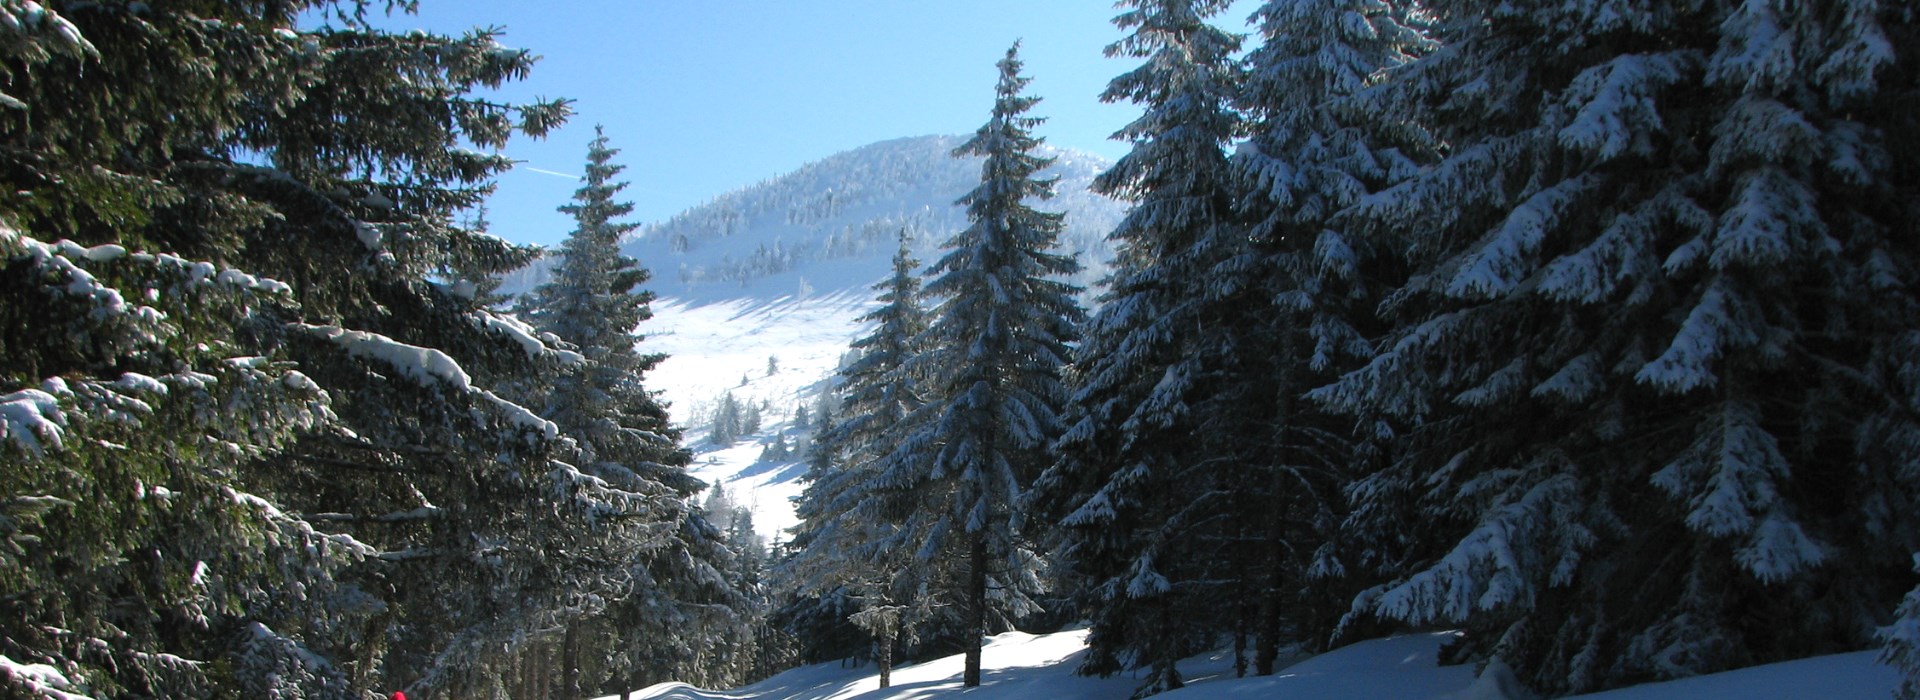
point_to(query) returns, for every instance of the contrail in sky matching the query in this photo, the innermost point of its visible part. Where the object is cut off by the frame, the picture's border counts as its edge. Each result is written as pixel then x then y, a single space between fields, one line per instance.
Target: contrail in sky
pixel 543 171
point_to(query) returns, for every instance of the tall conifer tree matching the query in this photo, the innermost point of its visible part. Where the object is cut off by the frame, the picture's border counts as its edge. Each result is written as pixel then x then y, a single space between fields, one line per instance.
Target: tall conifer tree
pixel 1315 148
pixel 1130 486
pixel 878 395
pixel 668 612
pixel 992 356
pixel 594 302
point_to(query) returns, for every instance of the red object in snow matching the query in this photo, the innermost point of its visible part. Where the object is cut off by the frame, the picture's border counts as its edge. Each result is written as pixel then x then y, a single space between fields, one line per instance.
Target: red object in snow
pixel 398 695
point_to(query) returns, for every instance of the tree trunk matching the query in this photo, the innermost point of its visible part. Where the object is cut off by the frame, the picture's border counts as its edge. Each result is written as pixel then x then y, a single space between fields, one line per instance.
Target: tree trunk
pixel 976 609
pixel 368 668
pixel 1271 599
pixel 1266 631
pixel 883 622
pixel 1240 614
pixel 570 663
pixel 530 663
pixel 510 674
pixel 1166 667
pixel 1267 634
pixel 520 673
pixel 886 658
pixel 543 672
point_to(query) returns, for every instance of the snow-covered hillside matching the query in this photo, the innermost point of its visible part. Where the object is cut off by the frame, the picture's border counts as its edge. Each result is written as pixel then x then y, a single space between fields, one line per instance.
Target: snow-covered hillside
pixel 760 288
pixel 1040 667
pixel 832 225
pixel 772 352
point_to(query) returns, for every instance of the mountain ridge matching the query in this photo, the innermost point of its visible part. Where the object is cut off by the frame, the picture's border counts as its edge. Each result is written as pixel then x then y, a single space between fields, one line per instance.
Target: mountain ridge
pixel 832 224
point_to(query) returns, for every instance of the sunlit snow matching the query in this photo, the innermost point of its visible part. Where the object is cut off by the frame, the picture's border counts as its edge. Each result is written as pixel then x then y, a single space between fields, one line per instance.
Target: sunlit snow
pixel 1040 667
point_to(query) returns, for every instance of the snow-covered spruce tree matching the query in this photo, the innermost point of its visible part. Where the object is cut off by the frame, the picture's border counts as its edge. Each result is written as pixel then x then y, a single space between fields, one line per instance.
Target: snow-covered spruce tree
pixel 1655 355
pixel 667 612
pixel 776 451
pixel 727 423
pixel 1139 484
pixel 992 358
pixel 251 476
pixel 1316 147
pixel 593 301
pixel 878 392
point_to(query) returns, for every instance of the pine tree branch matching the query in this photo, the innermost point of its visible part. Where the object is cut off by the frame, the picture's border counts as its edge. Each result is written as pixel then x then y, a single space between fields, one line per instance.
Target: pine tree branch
pixel 349 464
pixel 415 554
pixel 405 516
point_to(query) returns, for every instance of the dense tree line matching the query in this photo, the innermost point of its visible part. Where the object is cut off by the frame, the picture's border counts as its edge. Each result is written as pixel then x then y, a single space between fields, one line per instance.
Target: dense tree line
pixel 1587 334
pixel 1586 328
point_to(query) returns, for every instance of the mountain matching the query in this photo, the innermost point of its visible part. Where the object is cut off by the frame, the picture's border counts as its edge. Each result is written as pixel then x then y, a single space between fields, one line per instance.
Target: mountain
pixel 759 288
pixel 832 225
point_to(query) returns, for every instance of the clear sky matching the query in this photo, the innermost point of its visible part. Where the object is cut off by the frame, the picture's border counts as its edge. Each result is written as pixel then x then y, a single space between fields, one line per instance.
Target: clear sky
pixel 707 96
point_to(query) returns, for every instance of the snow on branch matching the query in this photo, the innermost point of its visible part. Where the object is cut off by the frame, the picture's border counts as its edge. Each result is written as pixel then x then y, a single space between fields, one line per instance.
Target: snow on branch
pixel 1730 479
pixel 416 514
pixel 520 416
pixel 1504 258
pixel 1534 539
pixel 1717 322
pixel 272 665
pixel 425 366
pixel 1615 102
pixel 31 24
pixel 31 418
pixel 38 680
pixel 1771 212
pixel 1578 380
pixel 529 339
pixel 287 527
pixel 1901 640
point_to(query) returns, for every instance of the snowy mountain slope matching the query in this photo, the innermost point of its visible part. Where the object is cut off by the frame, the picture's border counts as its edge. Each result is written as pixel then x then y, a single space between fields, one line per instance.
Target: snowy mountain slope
pixel 832 224
pixel 775 352
pixel 1040 667
pixel 777 272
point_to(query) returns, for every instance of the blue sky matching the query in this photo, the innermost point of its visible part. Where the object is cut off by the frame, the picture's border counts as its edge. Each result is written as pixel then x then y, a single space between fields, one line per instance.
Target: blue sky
pixel 707 96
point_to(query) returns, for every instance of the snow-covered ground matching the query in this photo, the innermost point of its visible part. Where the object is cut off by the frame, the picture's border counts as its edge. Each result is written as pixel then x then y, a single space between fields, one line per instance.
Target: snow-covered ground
pixel 1021 666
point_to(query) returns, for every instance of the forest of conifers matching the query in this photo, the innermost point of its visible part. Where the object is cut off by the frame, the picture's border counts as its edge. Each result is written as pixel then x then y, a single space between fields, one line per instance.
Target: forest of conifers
pixel 1590 328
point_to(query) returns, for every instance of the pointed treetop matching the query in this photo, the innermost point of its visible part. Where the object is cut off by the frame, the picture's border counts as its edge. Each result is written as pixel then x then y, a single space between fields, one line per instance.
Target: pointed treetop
pixel 1008 102
pixel 1010 79
pixel 600 169
pixel 1007 140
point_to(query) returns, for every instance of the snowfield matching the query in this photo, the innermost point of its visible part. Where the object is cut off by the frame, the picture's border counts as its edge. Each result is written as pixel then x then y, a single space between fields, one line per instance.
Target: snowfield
pixel 724 347
pixel 1021 666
